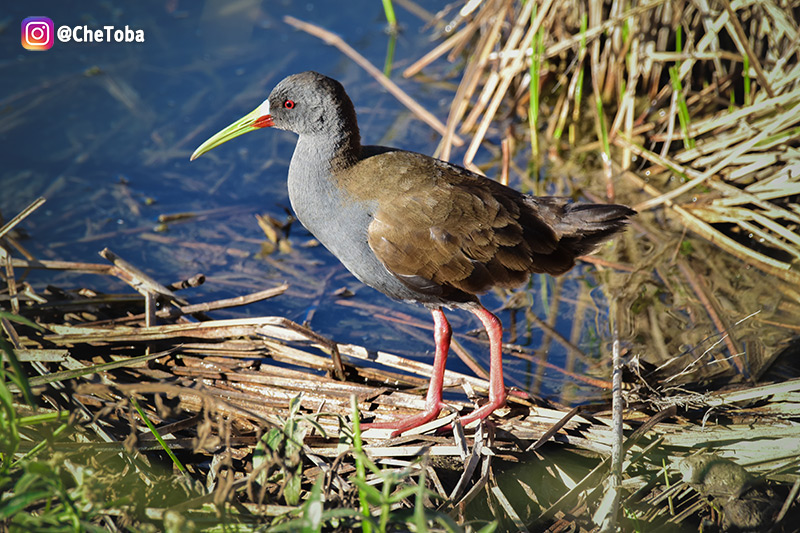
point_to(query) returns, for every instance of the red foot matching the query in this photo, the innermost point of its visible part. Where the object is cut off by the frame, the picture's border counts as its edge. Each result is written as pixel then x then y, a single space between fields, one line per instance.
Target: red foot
pixel 480 413
pixel 433 401
pixel 402 425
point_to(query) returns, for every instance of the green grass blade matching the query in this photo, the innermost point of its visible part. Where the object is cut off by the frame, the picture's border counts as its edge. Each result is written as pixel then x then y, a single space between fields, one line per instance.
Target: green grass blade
pixel 36 449
pixel 387 64
pixel 158 437
pixel 683 110
pixel 361 473
pixel 533 96
pixel 746 75
pixel 19 378
pixel 420 519
pixel 388 8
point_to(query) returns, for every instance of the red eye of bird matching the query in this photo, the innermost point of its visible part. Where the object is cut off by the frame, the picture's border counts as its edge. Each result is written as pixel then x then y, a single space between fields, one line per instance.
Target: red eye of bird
pixel 289 104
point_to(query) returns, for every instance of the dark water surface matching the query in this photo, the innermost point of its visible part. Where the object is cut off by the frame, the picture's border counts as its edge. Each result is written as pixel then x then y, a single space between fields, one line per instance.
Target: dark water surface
pixel 104 131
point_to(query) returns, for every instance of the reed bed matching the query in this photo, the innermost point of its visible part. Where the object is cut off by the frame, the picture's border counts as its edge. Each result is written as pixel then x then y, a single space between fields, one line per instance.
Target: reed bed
pixel 140 375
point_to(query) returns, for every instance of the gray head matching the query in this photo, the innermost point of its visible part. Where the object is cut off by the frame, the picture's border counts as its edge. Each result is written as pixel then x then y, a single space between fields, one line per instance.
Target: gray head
pixel 307 104
pixel 310 103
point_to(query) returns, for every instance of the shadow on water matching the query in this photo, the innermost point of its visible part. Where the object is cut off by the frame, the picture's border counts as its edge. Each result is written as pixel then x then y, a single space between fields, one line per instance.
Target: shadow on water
pixel 104 132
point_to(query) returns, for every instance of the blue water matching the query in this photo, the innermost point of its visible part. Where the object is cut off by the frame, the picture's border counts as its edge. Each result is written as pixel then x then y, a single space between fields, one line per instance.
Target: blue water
pixel 104 131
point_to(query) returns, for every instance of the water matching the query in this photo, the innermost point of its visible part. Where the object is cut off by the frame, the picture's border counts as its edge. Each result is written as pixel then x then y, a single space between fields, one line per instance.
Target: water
pixel 104 131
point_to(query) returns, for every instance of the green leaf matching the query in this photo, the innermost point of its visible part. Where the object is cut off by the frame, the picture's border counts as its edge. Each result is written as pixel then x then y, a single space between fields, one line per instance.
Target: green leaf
pixel 312 420
pixel 19 378
pixel 448 523
pixel 19 502
pixel 314 507
pixel 403 493
pixel 273 439
pixel 39 468
pixel 294 405
pixel 20 320
pixel 407 492
pixel 9 426
pixel 299 524
pixel 491 527
pixel 373 495
pixel 361 456
pixel 292 487
pixel 294 441
pixel 157 435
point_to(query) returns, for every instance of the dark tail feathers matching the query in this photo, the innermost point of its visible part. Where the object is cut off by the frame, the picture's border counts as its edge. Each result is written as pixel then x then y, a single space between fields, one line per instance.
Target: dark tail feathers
pixel 579 227
pixel 583 227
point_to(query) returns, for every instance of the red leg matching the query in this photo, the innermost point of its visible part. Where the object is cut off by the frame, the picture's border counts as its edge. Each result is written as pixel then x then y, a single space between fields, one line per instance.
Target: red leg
pixel 497 389
pixel 433 401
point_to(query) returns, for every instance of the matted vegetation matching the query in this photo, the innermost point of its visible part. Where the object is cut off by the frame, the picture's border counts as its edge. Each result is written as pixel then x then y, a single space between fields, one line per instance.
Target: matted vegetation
pixel 151 415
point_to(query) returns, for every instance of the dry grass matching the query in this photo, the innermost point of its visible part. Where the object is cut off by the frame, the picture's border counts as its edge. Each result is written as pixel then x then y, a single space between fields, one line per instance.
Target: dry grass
pixel 214 389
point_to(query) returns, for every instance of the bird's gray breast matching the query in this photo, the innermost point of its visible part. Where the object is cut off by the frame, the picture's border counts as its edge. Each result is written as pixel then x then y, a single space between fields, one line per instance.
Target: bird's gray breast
pixel 339 221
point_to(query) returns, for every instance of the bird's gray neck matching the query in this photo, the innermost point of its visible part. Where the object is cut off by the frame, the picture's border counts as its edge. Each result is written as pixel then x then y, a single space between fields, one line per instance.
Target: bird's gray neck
pixel 325 153
pixel 314 184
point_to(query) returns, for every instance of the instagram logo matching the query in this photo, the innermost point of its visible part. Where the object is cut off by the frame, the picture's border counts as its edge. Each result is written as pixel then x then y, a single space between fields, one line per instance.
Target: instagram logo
pixel 37 33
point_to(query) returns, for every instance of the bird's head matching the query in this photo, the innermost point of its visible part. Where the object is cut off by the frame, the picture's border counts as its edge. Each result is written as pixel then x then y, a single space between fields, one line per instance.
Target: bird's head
pixel 308 103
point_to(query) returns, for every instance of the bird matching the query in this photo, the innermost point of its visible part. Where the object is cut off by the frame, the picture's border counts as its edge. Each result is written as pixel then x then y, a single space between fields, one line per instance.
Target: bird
pixel 416 228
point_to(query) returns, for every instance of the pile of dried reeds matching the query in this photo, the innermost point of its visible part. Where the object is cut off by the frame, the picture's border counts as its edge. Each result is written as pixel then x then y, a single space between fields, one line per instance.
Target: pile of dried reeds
pixel 148 372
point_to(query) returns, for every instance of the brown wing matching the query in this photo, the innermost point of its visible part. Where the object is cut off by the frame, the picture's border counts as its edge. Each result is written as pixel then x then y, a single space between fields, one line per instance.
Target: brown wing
pixel 449 230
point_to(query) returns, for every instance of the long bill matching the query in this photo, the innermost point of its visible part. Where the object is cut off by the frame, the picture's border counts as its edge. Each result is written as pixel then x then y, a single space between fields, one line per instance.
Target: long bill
pixel 256 119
